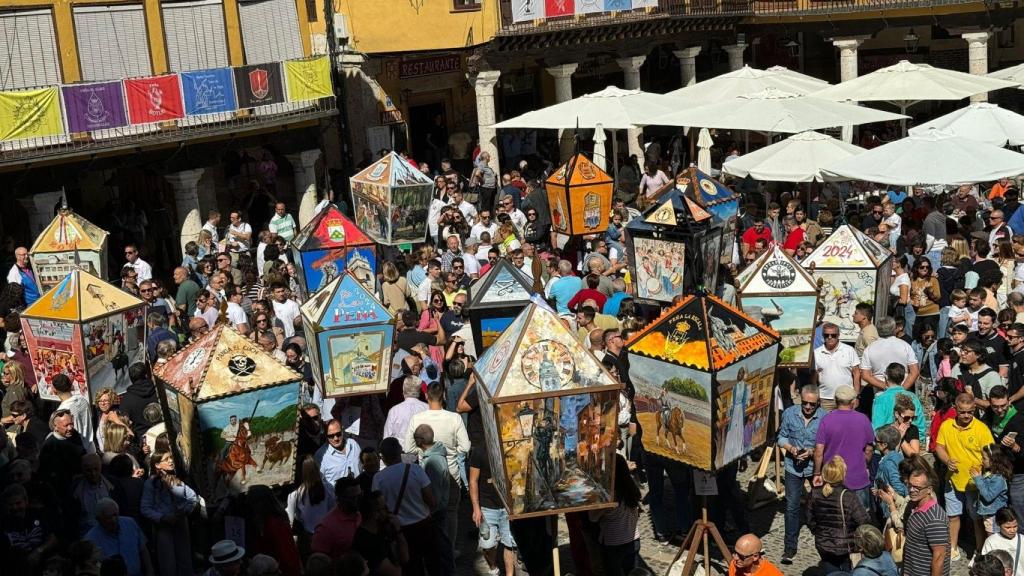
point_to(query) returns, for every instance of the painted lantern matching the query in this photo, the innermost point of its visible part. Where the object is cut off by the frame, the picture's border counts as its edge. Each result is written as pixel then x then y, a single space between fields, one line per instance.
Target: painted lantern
pixel 703 373
pixel 851 268
pixel 580 197
pixel 495 300
pixel 777 292
pixel 550 414
pixel 69 242
pixel 87 329
pixel 231 412
pixel 331 244
pixel 677 244
pixel 390 199
pixel 350 334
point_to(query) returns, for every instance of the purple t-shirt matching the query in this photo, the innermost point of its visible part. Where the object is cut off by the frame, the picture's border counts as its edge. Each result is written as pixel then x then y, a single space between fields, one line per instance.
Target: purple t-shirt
pixel 845 433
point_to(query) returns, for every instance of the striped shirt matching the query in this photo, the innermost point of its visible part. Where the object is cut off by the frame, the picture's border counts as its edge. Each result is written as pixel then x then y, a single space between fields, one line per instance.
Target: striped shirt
pixel 927 526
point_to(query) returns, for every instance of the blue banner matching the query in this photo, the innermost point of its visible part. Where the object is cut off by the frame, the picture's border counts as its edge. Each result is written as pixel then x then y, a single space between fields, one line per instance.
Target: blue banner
pixel 208 91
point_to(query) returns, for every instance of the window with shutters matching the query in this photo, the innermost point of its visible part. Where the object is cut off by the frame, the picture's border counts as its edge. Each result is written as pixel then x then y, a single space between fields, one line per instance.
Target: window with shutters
pixel 112 42
pixel 270 30
pixel 195 34
pixel 28 50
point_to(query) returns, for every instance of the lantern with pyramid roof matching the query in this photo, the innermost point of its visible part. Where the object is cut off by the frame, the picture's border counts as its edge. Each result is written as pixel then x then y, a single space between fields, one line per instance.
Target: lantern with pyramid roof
pixel 495 300
pixel 390 199
pixel 677 244
pixel 69 242
pixel 777 292
pixel 703 374
pixel 851 268
pixel 231 412
pixel 349 336
pixel 330 244
pixel 580 197
pixel 550 413
pixel 87 329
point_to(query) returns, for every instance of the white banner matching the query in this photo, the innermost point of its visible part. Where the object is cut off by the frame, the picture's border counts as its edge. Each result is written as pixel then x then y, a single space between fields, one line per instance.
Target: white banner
pixel 527 10
pixel 589 6
pixel 645 4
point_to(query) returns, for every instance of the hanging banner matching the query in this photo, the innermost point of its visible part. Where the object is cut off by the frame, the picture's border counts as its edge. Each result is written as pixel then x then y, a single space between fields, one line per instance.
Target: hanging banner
pixel 308 79
pixel 555 8
pixel 208 91
pixel 645 4
pixel 589 6
pixel 620 5
pixel 154 99
pixel 259 85
pixel 30 114
pixel 527 10
pixel 94 106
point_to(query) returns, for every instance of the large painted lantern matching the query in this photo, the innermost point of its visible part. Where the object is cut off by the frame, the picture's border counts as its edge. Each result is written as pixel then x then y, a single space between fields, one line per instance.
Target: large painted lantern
pixel 677 244
pixel 495 300
pixel 87 329
pixel 851 268
pixel 580 197
pixel 331 244
pixel 390 199
pixel 549 410
pixel 69 242
pixel 231 412
pixel 703 373
pixel 350 334
pixel 777 292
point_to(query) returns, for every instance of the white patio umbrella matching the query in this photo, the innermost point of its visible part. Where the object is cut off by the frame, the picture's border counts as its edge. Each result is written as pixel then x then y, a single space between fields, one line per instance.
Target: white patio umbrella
pixel 982 122
pixel 772 110
pixel 704 144
pixel 746 80
pixel 613 108
pixel 905 84
pixel 600 158
pixel 1011 74
pixel 798 158
pixel 935 157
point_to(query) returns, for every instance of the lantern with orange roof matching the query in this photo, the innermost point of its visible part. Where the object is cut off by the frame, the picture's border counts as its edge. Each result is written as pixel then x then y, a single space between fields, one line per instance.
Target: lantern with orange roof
pixel 579 197
pixel 69 242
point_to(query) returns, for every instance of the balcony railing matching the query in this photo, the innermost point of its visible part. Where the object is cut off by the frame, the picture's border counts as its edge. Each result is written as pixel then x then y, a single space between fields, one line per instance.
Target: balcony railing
pixel 820 7
pixel 68 146
pixel 663 10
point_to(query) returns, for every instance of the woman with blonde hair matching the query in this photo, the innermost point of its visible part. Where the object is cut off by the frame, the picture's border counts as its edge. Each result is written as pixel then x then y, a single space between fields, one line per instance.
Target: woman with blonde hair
pixel 206 246
pixel 308 504
pixel 506 238
pixel 13 378
pixel 105 403
pixel 394 288
pixel 834 513
pixel 117 440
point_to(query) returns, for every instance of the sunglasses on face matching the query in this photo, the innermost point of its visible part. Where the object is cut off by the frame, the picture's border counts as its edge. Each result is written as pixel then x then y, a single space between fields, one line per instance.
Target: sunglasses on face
pixel 830 336
pixel 336 435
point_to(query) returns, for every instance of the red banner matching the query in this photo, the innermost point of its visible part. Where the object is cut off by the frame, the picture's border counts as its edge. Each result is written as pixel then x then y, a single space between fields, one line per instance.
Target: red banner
pixel 560 8
pixel 154 99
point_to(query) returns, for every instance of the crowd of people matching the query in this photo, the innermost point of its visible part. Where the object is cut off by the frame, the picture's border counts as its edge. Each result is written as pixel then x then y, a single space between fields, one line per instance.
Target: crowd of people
pixel 891 440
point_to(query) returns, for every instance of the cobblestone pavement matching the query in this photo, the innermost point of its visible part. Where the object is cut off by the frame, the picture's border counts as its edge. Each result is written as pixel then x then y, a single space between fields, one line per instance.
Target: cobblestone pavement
pixel 767 522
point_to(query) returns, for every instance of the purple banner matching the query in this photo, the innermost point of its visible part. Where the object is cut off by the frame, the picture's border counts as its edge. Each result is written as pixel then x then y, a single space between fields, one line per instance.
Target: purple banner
pixel 94 106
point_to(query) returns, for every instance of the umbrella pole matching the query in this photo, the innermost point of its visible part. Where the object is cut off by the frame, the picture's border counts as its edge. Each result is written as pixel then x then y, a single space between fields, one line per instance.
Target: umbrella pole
pixel 903 121
pixel 615 158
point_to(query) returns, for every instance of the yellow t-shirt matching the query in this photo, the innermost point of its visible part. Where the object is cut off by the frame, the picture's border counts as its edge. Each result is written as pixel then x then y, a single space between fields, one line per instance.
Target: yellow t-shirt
pixel 964 446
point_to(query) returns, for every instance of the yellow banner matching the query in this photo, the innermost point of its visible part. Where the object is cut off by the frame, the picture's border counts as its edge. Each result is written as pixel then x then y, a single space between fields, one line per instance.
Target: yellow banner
pixel 308 79
pixel 30 114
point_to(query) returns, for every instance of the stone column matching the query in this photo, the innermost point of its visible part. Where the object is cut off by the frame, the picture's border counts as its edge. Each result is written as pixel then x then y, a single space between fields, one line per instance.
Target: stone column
pixel 848 46
pixel 563 92
pixel 186 200
pixel 40 207
pixel 977 57
pixel 688 62
pixel 483 84
pixel 631 72
pixel 304 168
pixel 735 52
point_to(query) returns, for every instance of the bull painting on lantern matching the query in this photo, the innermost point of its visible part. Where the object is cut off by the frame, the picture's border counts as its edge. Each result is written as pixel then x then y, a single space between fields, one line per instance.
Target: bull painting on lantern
pixel 673 405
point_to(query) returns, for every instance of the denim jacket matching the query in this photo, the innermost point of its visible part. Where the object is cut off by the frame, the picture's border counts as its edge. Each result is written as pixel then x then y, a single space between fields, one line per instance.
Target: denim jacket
pixel 889 472
pixel 794 432
pixel 992 493
pixel 159 500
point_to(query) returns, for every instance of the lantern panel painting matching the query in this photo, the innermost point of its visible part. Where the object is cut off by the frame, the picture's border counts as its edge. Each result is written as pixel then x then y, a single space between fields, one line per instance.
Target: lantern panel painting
pixel 181 414
pixel 841 291
pixel 673 406
pixel 111 344
pixel 355 361
pixel 370 206
pixel 492 328
pixel 55 348
pixel 51 268
pixel 659 268
pixel 743 402
pixel 558 452
pixel 792 317
pixel 249 439
pixel 409 208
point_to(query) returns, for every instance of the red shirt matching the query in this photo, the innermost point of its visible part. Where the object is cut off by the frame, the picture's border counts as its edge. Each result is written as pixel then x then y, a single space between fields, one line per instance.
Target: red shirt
pixel 751 236
pixel 588 294
pixel 794 239
pixel 335 533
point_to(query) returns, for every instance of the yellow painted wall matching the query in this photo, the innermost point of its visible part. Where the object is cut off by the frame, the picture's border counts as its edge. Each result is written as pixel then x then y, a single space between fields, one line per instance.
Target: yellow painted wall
pixel 378 26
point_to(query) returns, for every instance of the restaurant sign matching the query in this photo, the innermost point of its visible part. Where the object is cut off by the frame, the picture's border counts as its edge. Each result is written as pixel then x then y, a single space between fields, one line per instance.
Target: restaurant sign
pixel 417 67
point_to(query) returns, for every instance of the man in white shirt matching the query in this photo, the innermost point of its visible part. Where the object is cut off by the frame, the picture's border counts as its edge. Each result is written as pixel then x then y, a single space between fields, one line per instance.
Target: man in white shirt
pixel 212 221
pixel 837 365
pixel 282 223
pixel 433 273
pixel 467 209
pixel 236 314
pixel 506 206
pixel 339 458
pixel 484 224
pixel 206 308
pixel 286 310
pixel 239 233
pixel 81 410
pixel 397 423
pixel 879 354
pixel 141 267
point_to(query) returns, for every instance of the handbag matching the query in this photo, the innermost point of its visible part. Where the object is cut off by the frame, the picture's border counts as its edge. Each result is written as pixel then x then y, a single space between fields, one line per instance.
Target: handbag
pixel 894 541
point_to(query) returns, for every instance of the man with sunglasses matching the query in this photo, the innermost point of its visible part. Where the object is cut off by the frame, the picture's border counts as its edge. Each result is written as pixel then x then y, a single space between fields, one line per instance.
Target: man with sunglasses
pixel 797 433
pixel 926 550
pixel 1015 378
pixel 836 364
pixel 748 559
pixel 485 223
pixel 339 458
pixel 135 262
